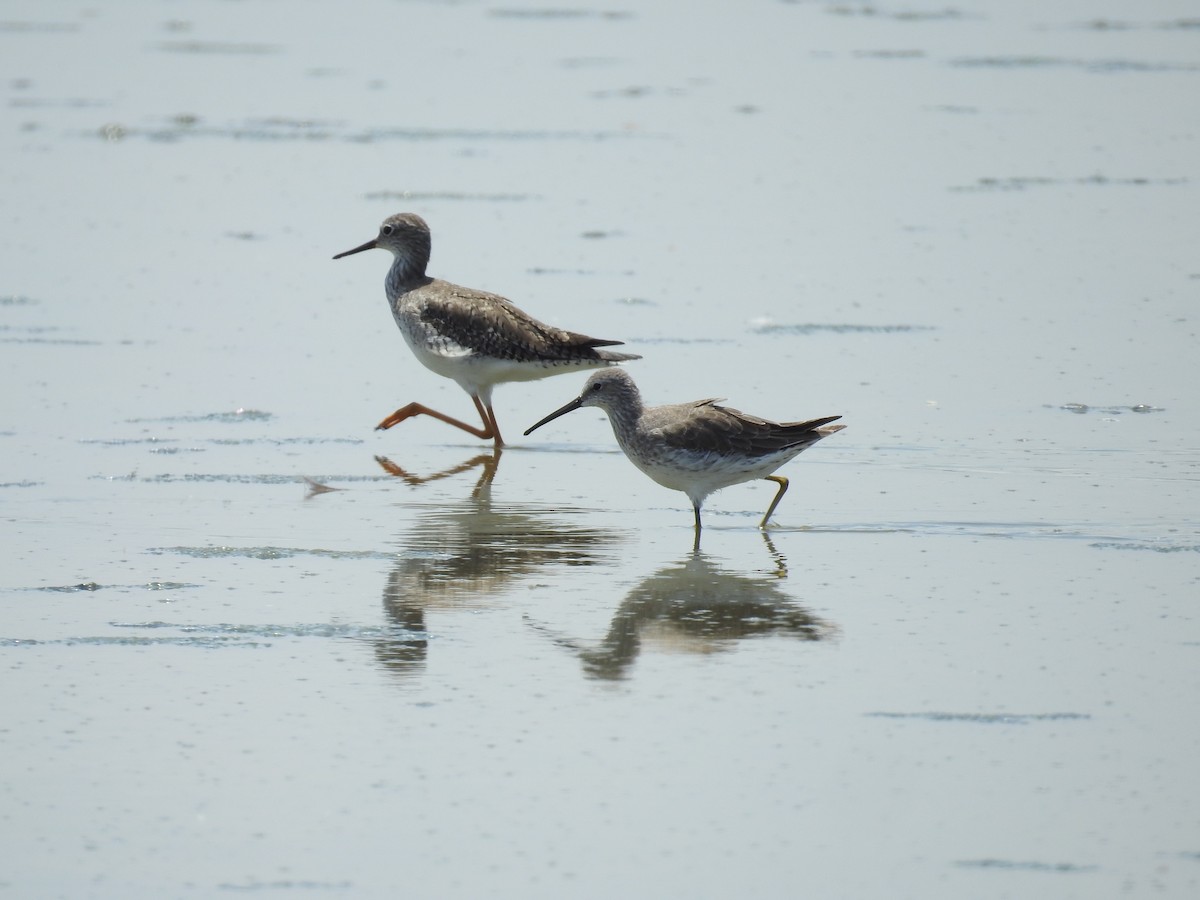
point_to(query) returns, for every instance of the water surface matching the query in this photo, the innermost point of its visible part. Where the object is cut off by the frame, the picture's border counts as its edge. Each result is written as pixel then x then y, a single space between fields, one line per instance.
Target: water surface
pixel 252 645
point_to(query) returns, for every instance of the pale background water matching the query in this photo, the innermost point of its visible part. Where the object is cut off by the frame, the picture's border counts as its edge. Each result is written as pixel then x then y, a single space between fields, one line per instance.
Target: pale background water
pixel 965 664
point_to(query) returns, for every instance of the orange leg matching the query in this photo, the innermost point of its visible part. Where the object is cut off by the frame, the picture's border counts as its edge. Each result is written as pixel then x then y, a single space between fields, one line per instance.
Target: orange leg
pixel 489 417
pixel 489 431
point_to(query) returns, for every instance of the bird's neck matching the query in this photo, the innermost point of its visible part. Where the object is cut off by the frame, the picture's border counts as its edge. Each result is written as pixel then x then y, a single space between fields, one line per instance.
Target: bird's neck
pixel 625 415
pixel 405 274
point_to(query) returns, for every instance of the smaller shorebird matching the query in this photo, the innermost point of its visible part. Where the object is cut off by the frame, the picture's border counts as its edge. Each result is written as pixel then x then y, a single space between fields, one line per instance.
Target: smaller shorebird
pixel 696 447
pixel 475 338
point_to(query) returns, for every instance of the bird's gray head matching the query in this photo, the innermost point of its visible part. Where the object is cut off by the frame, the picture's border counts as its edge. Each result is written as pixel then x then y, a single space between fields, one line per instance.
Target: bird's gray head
pixel 610 389
pixel 405 236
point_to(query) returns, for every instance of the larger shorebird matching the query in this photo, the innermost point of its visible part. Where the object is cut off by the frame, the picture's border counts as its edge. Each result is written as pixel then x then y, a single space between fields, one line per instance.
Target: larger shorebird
pixel 696 447
pixel 475 338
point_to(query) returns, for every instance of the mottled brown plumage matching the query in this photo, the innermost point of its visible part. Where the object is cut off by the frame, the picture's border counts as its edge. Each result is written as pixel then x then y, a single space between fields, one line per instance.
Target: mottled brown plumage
pixel 497 328
pixel 476 338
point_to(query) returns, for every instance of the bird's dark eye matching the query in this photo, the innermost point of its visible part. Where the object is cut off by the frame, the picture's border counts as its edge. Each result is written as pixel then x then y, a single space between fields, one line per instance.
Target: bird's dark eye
pixel 596 387
pixel 386 229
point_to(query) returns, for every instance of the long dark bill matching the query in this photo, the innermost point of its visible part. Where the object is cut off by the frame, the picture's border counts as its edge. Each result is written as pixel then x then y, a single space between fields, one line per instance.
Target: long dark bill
pixel 570 407
pixel 369 245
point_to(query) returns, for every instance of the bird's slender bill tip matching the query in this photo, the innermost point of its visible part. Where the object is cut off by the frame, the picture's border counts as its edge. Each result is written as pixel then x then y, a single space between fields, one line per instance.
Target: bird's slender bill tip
pixel 369 245
pixel 573 405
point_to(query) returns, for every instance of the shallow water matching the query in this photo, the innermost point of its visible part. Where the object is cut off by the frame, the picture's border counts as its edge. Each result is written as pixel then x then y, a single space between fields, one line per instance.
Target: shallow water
pixel 252 645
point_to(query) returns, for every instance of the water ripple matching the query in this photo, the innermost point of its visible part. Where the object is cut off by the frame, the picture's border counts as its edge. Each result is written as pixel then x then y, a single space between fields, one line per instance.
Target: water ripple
pixel 1021 183
pixel 225 634
pixel 206 642
pixel 236 415
pixel 1088 65
pixel 1082 409
pixel 1153 546
pixel 225 552
pixel 239 478
pixel 91 586
pixel 424 196
pixel 982 718
pixel 278 129
pixel 221 48
pixel 834 328
pixel 1023 865
pixel 315 629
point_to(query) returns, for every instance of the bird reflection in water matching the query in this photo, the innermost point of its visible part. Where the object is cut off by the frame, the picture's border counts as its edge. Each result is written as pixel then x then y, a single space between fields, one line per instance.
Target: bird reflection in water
pixel 466 554
pixel 696 606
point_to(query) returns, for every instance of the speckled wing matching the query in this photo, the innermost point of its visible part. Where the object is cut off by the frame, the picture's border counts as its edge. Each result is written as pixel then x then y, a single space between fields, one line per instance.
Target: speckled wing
pixel 495 327
pixel 719 429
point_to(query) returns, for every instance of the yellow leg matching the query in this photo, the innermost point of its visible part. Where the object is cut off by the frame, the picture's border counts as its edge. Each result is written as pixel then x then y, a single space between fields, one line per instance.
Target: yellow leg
pixel 783 486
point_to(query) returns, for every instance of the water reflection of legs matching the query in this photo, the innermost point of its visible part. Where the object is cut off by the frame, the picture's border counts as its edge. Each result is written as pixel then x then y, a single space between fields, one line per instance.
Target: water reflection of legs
pixel 781 569
pixel 489 461
pixel 779 558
